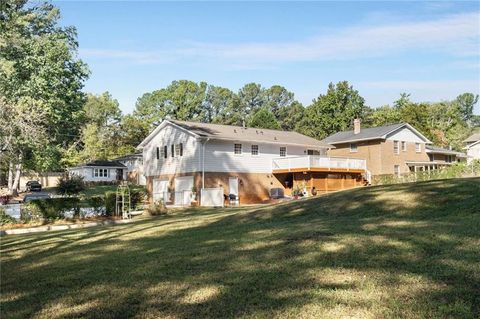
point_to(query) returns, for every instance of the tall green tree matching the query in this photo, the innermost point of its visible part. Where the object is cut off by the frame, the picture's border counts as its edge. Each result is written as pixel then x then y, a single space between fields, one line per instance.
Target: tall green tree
pixel 264 118
pixel 102 136
pixel 39 66
pixel 333 111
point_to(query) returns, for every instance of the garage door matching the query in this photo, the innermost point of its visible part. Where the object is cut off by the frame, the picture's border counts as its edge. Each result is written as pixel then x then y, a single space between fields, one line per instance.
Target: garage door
pixel 160 187
pixel 183 190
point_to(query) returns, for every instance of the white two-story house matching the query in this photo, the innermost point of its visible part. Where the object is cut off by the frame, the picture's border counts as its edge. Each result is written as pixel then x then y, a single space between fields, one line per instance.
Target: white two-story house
pixel 249 163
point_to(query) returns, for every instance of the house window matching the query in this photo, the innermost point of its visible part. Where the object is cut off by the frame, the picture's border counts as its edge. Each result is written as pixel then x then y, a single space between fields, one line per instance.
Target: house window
pixel 396 149
pixel 396 170
pixel 165 151
pixel 237 149
pixel 353 148
pixel 178 150
pixel 158 153
pixel 283 151
pixel 254 149
pixel 173 150
pixel 418 147
pixel 404 146
pixel 181 149
pixel 162 152
pixel 448 159
pixel 313 152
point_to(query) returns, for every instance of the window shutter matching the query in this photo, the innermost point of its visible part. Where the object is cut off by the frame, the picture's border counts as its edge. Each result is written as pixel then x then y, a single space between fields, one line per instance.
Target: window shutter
pixel 181 149
pixel 165 151
pixel 158 153
pixel 173 150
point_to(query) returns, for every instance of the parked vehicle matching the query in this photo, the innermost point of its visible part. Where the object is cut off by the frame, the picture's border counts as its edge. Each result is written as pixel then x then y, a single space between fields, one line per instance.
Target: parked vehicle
pixel 34 186
pixel 30 197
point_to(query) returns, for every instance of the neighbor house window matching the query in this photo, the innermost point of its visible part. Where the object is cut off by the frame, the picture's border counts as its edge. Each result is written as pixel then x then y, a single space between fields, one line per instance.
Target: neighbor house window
pixel 237 149
pixel 396 148
pixel 353 148
pixel 283 151
pixel 100 172
pixel 181 149
pixel 254 149
pixel 396 170
pixel 165 151
pixel 173 150
pixel 158 153
pixel 418 147
pixel 404 146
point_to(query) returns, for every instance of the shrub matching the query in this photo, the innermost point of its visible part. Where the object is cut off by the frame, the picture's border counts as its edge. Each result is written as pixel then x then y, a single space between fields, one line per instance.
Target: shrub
pixel 97 203
pixel 157 208
pixel 6 219
pixel 110 202
pixel 137 197
pixel 70 185
pixel 51 208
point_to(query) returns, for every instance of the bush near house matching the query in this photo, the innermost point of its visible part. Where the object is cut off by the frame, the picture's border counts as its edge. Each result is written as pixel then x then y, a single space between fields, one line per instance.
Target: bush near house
pixel 456 170
pixel 70 185
pixel 51 208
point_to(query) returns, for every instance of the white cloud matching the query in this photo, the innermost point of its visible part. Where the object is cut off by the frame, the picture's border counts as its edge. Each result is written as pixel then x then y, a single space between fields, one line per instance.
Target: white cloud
pixel 458 35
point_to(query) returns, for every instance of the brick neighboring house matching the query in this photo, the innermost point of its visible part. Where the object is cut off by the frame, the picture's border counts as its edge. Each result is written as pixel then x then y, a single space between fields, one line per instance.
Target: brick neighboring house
pixel 389 150
pixel 181 157
pixel 472 147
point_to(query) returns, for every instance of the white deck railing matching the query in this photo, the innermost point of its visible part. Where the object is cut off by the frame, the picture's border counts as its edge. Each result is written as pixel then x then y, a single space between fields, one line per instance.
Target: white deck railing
pixel 311 161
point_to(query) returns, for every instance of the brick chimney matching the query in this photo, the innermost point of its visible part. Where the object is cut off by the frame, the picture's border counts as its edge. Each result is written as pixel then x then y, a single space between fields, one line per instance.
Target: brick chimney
pixel 356 126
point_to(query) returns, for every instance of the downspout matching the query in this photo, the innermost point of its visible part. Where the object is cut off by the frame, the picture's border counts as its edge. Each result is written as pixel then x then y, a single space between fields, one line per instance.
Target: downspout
pixel 203 162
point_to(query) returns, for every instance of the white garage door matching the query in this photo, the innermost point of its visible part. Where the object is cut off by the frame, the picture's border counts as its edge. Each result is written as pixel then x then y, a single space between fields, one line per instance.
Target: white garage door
pixel 183 190
pixel 160 187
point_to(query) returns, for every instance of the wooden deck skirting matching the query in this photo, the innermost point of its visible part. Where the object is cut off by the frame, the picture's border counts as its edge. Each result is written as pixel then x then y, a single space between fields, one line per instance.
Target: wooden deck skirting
pixel 318 170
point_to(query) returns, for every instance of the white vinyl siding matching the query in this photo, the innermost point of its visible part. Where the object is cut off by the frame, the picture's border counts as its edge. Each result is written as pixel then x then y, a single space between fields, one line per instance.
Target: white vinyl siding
pixel 405 134
pixel 189 153
pixel 219 157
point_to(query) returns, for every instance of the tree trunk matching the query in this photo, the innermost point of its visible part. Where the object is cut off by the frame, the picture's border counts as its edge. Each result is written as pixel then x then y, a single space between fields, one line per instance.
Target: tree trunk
pixel 10 176
pixel 14 181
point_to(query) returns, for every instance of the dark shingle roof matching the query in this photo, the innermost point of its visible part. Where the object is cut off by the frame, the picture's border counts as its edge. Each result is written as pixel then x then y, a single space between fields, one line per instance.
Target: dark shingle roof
pixel 104 163
pixel 239 133
pixel 365 134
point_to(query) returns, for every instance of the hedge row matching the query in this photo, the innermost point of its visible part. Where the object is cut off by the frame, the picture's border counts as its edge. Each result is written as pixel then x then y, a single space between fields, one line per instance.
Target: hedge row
pixel 57 208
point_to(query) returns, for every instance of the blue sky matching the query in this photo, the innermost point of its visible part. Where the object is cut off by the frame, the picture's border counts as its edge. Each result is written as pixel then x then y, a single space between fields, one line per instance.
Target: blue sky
pixel 428 49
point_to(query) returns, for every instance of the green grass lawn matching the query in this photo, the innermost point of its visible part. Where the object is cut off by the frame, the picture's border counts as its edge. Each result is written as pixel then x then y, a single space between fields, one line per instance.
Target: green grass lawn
pixel 402 251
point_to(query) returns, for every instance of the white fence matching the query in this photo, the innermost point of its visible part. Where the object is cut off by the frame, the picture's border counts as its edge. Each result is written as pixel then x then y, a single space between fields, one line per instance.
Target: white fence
pixel 212 197
pixel 311 161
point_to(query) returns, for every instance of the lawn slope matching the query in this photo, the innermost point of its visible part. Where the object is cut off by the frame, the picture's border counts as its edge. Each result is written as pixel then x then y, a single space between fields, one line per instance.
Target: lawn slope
pixel 402 251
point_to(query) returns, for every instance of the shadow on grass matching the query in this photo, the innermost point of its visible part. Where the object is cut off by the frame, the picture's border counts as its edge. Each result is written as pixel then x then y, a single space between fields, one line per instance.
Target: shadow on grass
pixel 405 251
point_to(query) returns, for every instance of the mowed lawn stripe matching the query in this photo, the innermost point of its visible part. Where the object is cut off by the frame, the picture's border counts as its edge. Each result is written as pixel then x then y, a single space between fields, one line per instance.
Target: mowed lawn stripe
pixel 399 251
